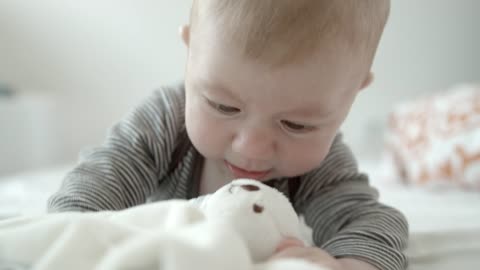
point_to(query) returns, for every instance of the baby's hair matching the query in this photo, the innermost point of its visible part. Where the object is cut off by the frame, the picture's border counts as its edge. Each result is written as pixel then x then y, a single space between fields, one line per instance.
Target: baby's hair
pixel 285 31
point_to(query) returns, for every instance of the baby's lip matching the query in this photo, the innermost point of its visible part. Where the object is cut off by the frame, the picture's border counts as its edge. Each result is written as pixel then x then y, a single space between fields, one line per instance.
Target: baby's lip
pixel 243 173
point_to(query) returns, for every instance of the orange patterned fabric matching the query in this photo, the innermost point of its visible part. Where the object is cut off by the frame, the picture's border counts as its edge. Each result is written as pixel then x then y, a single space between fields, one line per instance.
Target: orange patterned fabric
pixel 436 140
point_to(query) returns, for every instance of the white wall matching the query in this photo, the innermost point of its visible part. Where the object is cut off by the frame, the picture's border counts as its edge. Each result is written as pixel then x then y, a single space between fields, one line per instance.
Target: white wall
pixel 97 58
pixel 428 46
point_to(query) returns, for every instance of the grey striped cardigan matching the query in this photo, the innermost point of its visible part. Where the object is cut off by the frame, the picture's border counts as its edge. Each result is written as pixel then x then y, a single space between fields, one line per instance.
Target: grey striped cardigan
pixel 141 161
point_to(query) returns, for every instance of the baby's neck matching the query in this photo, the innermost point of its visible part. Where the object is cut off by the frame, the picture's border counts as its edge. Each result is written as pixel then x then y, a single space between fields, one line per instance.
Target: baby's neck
pixel 212 178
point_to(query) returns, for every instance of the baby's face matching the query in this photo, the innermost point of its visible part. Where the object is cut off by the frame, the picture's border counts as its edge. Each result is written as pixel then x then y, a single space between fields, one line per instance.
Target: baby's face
pixel 255 121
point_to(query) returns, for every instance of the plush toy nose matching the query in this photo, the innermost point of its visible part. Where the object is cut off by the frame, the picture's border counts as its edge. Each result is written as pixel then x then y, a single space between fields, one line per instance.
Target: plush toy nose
pixel 250 187
pixel 257 208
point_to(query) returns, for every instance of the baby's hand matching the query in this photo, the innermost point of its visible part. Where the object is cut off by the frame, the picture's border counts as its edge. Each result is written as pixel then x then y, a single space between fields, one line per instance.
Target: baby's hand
pixel 294 248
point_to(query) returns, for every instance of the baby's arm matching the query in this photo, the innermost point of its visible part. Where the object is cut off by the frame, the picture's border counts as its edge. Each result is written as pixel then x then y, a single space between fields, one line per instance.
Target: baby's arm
pixel 346 218
pixel 126 169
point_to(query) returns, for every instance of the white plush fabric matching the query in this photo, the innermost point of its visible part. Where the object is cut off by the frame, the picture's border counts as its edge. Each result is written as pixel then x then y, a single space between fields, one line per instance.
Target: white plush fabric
pixel 262 215
pixel 173 235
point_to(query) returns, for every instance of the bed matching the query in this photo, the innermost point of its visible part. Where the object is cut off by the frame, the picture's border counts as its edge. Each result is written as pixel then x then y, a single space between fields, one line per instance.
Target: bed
pixel 444 225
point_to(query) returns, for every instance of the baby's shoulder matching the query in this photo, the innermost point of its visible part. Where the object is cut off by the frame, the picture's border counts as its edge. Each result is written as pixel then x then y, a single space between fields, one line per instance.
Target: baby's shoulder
pixel 158 119
pixel 169 99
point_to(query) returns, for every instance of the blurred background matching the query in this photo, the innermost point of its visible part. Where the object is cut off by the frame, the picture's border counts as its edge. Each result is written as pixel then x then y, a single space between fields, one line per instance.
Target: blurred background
pixel 70 69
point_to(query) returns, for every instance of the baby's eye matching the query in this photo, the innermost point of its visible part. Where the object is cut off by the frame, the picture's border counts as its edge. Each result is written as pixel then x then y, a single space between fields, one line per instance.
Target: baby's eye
pixel 224 109
pixel 294 127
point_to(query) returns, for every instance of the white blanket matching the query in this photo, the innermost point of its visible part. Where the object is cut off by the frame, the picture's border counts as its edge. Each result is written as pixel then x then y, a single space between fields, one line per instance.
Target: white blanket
pixel 164 235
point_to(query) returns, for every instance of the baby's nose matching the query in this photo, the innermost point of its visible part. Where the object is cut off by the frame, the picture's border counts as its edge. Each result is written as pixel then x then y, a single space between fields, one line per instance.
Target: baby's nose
pixel 254 144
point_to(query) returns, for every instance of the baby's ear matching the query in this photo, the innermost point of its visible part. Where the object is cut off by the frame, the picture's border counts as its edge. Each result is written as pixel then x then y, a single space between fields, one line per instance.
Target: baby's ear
pixel 367 81
pixel 184 32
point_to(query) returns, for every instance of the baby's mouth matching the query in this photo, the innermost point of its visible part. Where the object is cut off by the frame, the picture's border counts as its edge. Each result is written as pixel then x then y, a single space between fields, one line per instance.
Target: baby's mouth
pixel 242 173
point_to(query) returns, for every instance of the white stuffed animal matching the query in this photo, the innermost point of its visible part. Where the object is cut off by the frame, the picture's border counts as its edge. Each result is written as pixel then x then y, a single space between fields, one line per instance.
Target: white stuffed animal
pixel 237 227
pixel 262 215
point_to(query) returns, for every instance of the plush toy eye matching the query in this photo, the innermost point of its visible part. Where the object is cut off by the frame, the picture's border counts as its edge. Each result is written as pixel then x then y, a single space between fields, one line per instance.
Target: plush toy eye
pixel 250 187
pixel 257 208
pixel 245 187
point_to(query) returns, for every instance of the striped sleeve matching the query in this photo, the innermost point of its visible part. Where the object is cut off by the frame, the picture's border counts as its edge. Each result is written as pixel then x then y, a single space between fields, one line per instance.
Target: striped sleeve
pixel 346 217
pixel 128 167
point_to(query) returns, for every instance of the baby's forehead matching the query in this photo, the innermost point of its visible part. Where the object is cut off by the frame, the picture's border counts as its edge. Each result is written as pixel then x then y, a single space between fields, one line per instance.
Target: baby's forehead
pixel 282 31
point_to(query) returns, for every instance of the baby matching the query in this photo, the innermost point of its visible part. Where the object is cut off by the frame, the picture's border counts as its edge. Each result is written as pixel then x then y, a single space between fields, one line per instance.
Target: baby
pixel 267 86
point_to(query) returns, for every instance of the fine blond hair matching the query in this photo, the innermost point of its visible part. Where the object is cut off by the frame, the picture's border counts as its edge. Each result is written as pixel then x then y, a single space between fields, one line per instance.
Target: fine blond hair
pixel 285 31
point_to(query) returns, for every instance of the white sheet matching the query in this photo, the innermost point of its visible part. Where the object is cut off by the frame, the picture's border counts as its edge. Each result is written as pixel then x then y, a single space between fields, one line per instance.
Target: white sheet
pixel 444 223
pixel 27 193
pixel 427 210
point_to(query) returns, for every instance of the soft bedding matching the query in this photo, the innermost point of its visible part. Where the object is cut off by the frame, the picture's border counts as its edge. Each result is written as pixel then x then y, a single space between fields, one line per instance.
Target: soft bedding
pixel 444 224
pixel 26 193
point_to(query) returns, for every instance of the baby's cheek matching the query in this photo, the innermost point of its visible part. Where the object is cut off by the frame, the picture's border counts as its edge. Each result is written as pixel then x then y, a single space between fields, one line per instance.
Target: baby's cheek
pixel 304 158
pixel 206 135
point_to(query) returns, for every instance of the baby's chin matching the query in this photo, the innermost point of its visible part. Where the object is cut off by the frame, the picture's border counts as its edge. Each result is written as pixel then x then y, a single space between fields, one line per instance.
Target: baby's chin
pixel 271 176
